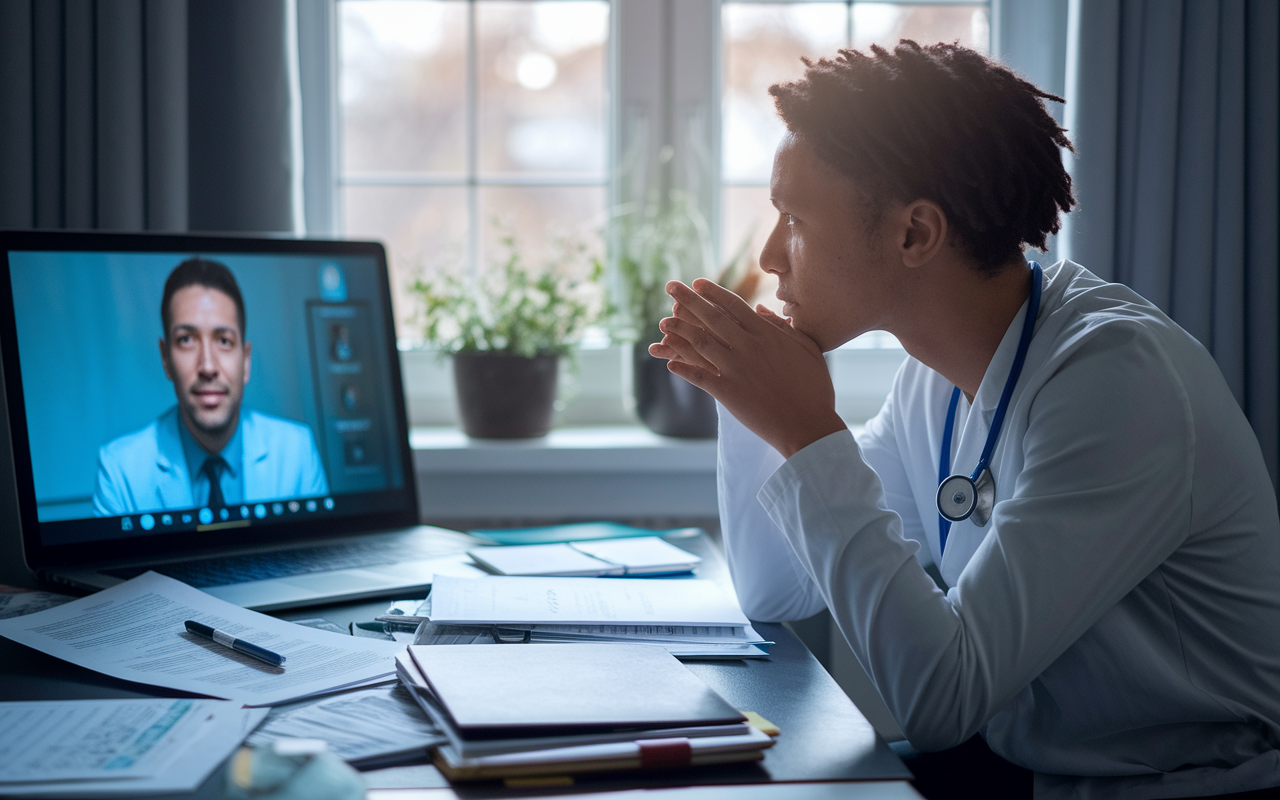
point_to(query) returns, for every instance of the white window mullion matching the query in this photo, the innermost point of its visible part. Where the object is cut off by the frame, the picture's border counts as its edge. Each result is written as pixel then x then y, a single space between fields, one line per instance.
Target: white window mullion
pixel 474 228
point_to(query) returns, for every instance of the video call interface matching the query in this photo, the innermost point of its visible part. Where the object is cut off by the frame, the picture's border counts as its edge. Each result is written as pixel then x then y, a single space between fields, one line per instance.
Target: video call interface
pixel 269 408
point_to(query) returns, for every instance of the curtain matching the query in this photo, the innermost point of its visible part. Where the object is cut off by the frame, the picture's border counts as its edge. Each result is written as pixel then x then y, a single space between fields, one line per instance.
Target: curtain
pixel 1173 106
pixel 164 115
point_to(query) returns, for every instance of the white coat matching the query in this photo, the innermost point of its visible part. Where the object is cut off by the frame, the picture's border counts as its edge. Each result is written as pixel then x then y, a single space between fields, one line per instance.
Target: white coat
pixel 1115 627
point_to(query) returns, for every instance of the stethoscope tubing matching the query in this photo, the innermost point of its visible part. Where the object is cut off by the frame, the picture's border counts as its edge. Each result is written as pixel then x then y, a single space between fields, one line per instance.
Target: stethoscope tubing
pixel 970 485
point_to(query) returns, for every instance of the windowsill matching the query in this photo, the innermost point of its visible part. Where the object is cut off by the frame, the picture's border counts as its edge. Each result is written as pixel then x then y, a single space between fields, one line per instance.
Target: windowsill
pixel 616 472
pixel 616 448
pixel 592 472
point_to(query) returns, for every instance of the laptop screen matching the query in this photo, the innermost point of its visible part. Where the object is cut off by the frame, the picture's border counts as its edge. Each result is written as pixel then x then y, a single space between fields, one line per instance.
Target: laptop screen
pixel 178 392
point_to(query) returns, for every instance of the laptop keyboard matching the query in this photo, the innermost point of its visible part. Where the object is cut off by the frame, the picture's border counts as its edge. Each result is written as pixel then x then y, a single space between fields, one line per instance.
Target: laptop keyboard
pixel 224 570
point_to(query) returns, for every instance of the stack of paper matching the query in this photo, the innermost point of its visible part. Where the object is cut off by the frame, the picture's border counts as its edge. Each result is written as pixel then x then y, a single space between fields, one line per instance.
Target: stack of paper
pixel 552 710
pixel 690 618
pixel 135 631
pixel 116 748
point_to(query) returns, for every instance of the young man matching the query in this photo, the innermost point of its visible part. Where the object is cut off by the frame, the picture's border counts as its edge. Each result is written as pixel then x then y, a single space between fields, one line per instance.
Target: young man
pixel 207 450
pixel 1111 610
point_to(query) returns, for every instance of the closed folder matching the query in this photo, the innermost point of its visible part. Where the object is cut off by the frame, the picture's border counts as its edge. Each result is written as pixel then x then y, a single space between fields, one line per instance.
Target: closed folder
pixel 549 689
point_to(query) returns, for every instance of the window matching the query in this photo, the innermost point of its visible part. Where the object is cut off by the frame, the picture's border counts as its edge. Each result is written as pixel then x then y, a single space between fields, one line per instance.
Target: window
pixel 454 113
pixel 463 120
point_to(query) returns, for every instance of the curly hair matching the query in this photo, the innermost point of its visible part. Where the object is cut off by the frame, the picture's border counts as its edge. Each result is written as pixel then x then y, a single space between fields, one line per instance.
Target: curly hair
pixel 941 123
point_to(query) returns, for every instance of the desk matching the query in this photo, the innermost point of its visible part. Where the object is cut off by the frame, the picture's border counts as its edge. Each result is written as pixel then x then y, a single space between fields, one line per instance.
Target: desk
pixel 824 736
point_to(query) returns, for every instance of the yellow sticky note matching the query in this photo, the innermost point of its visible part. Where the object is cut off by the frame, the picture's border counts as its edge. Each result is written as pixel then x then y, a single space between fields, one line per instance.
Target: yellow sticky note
pixel 761 724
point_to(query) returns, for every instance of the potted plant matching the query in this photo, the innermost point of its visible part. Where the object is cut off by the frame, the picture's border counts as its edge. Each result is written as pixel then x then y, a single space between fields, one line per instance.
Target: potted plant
pixel 506 330
pixel 653 244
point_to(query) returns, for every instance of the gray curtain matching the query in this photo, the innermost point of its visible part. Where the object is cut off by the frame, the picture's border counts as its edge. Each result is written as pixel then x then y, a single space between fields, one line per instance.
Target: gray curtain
pixel 162 115
pixel 1174 107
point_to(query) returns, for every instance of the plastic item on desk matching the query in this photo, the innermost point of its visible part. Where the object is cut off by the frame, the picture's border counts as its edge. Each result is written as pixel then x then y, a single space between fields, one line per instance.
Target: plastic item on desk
pixel 291 769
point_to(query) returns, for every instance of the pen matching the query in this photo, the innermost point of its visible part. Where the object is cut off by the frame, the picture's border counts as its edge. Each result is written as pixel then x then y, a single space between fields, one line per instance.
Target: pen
pixel 240 645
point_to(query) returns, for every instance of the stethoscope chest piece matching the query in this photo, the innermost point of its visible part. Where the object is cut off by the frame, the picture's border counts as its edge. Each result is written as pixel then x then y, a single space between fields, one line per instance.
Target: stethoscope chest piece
pixel 961 498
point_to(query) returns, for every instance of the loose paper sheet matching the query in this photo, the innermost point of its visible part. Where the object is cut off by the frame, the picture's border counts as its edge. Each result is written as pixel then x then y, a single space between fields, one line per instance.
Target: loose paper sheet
pixel 63 740
pixel 135 631
pixel 116 748
pixel 577 601
pixel 358 726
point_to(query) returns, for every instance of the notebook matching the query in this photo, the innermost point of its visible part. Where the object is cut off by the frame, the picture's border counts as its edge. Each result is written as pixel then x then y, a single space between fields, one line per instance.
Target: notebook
pixel 226 411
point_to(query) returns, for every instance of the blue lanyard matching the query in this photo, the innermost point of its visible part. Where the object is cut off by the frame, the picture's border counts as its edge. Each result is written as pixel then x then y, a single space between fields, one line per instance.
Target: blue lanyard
pixel 944 463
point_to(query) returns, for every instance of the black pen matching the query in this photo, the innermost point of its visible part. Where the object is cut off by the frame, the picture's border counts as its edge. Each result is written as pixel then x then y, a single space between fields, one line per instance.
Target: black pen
pixel 239 645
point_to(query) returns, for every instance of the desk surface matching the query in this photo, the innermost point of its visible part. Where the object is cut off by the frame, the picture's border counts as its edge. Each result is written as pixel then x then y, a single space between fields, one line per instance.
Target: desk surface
pixel 824 736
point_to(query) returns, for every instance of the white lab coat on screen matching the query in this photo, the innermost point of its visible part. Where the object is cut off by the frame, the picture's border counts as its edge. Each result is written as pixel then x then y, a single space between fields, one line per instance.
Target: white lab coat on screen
pixel 1116 624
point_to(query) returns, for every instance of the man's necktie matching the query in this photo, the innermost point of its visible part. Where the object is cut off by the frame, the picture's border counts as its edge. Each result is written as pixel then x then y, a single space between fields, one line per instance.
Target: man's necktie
pixel 212 469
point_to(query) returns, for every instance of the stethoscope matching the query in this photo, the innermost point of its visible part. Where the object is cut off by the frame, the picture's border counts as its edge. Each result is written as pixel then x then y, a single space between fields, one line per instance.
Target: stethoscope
pixel 962 497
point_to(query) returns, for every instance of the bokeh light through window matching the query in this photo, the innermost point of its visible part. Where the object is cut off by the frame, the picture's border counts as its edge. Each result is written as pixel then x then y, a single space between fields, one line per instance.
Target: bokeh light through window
pixel 466 120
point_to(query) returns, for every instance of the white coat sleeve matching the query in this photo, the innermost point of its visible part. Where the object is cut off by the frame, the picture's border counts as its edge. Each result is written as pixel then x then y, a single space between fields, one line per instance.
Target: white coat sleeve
pixel 771 584
pixel 1103 498
pixel 879 446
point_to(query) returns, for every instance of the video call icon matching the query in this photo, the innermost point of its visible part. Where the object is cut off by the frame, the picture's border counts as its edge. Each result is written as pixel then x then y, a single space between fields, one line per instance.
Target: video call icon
pixel 333 283
pixel 350 396
pixel 340 343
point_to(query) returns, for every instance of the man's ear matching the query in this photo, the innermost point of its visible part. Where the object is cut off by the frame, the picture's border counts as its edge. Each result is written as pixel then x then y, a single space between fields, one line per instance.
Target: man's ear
pixel 164 358
pixel 248 360
pixel 923 232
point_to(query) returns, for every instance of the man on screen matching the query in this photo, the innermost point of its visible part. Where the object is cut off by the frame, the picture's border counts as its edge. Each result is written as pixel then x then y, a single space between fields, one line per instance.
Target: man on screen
pixel 206 450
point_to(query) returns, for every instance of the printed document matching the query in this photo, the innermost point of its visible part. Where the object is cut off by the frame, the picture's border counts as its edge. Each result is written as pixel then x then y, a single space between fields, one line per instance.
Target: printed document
pixel 122 748
pixel 363 727
pixel 135 631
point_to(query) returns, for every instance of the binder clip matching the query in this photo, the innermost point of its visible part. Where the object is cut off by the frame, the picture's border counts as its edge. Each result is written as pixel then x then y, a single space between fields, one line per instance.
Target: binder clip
pixel 498 638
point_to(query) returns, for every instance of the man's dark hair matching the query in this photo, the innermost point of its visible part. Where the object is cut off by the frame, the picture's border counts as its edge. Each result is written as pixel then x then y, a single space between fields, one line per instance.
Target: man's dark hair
pixel 940 123
pixel 200 272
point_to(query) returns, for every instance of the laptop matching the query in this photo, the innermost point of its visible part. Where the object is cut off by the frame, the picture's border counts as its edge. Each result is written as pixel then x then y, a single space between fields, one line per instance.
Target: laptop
pixel 227 411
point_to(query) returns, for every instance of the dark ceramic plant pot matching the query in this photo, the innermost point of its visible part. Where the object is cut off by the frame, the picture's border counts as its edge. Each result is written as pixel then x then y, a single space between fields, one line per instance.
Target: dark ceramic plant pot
pixel 504 396
pixel 668 404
